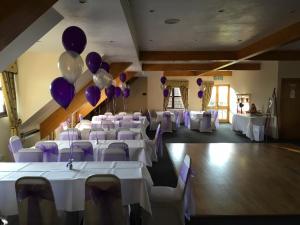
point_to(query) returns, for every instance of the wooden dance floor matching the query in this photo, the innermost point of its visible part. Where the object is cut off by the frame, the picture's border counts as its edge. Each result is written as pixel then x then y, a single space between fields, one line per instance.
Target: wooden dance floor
pixel 242 179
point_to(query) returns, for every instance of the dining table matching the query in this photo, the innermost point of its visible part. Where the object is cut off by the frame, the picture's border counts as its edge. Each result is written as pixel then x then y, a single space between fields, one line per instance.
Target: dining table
pixel 68 186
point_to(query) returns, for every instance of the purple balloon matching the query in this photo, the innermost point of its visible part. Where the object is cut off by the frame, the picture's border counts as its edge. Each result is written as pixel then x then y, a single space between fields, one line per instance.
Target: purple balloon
pixel 199 81
pixel 166 92
pixel 62 91
pixel 200 94
pixel 122 77
pixel 105 66
pixel 93 61
pixel 110 91
pixel 118 92
pixel 163 80
pixel 92 94
pixel 126 92
pixel 74 39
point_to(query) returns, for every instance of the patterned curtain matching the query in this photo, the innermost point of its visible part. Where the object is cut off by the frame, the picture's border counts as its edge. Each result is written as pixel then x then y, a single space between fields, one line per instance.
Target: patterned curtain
pixel 184 96
pixel 9 93
pixel 184 87
pixel 166 99
pixel 207 89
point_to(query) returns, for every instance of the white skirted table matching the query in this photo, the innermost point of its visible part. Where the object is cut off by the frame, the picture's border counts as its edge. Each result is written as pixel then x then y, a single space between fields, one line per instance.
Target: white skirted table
pixel 138 149
pixel 250 125
pixel 69 185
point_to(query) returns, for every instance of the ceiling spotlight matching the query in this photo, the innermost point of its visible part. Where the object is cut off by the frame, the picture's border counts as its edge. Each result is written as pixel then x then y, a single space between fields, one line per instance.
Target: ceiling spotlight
pixel 172 21
pixel 82 1
pixel 221 10
pixel 151 10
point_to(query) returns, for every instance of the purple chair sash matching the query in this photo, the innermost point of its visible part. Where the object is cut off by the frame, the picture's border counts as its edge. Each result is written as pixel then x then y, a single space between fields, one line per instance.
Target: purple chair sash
pixel 87 148
pixel 159 143
pixel 49 149
pixel 206 121
pixel 187 119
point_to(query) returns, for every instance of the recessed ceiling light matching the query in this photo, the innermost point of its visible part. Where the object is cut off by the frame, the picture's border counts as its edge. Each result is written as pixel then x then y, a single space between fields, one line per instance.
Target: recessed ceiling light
pixel 82 1
pixel 151 40
pixel 151 10
pixel 221 10
pixel 111 41
pixel 240 40
pixel 292 11
pixel 172 21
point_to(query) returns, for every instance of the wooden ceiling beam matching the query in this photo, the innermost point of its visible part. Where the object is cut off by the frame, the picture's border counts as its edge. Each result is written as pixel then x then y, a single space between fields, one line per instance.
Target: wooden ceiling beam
pixel 197 67
pixel 197 73
pixel 279 38
pixel 187 55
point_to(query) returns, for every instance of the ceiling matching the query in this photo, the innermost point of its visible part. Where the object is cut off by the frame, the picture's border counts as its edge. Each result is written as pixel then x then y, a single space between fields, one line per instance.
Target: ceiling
pixel 119 29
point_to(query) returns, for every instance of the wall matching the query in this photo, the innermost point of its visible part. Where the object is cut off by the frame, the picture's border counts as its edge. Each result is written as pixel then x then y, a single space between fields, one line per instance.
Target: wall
pixel 136 101
pixel 4 138
pixel 259 84
pixel 36 72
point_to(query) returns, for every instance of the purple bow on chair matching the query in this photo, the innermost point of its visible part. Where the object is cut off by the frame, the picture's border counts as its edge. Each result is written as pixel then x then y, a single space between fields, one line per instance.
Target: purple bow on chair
pixel 206 120
pixel 49 149
pixel 187 119
pixel 159 144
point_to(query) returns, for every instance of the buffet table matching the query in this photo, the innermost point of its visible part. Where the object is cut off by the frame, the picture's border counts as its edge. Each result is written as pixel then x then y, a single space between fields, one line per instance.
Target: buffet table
pixel 246 123
pixel 69 185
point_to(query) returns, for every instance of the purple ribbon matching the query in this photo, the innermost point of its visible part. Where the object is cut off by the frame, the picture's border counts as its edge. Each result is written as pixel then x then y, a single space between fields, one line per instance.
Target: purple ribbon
pixel 186 117
pixel 48 150
pixel 206 120
pixel 159 144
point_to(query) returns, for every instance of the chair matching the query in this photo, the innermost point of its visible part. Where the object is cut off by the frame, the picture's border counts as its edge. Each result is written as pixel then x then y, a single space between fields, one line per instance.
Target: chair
pixel 35 200
pixel 70 134
pixel 126 124
pixel 118 117
pixel 85 134
pixel 122 113
pixel 156 145
pixel 136 115
pixel 108 114
pixel 97 135
pixel 166 123
pixel 86 147
pixel 126 135
pixel 103 201
pixel 107 124
pixel 214 119
pixel 117 151
pixel 153 119
pixel 186 119
pixel 29 155
pixel 66 153
pixel 14 145
pixel 177 119
pixel 195 119
pixel 128 117
pixel 205 123
pixel 170 204
pixel 49 149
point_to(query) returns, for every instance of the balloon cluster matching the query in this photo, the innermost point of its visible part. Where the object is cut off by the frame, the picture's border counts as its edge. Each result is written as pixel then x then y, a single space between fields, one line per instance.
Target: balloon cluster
pixel 163 81
pixel 70 64
pixel 200 92
pixel 124 88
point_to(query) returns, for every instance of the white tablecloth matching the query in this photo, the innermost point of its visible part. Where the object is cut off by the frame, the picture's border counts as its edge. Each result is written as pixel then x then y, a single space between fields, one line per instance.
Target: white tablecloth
pixel 138 149
pixel 69 185
pixel 112 133
pixel 245 122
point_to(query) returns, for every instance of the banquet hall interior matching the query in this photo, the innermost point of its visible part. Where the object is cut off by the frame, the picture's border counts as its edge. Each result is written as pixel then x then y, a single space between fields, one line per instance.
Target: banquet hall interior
pixel 150 112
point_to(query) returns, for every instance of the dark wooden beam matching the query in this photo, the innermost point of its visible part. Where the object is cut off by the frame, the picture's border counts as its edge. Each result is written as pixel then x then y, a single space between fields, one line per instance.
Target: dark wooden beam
pixel 197 67
pixel 197 73
pixel 187 55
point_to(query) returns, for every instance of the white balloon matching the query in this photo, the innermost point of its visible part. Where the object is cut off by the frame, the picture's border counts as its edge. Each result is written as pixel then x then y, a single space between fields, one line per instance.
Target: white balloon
pixel 99 81
pixel 108 79
pixel 70 65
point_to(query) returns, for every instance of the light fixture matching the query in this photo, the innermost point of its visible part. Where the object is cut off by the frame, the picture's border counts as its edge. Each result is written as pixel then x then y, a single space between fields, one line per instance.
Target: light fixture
pixel 151 11
pixel 172 21
pixel 82 1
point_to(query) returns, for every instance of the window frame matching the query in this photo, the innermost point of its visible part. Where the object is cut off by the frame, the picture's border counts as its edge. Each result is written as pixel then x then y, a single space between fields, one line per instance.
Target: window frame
pixel 4 113
pixel 173 96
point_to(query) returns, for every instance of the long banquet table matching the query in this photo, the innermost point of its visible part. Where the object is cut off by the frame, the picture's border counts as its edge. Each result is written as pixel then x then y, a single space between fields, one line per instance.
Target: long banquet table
pixel 69 185
pixel 138 149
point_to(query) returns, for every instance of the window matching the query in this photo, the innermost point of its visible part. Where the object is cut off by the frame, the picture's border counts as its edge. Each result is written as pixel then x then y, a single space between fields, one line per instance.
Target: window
pixel 2 105
pixel 175 100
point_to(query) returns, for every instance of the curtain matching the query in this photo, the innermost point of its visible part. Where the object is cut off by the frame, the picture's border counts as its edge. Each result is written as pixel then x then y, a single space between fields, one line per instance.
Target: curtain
pixel 184 87
pixel 9 93
pixel 184 96
pixel 207 89
pixel 166 99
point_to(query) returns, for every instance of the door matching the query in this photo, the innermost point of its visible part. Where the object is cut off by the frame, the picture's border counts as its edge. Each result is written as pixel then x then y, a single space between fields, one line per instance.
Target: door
pixel 290 109
pixel 220 101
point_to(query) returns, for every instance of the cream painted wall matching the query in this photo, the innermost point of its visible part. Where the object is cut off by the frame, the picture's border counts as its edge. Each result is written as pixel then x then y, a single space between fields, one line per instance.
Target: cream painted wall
pixel 259 84
pixel 36 72
pixel 4 137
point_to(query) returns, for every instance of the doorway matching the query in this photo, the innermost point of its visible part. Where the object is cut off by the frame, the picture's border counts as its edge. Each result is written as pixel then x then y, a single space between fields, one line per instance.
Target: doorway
pixel 289 109
pixel 220 101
